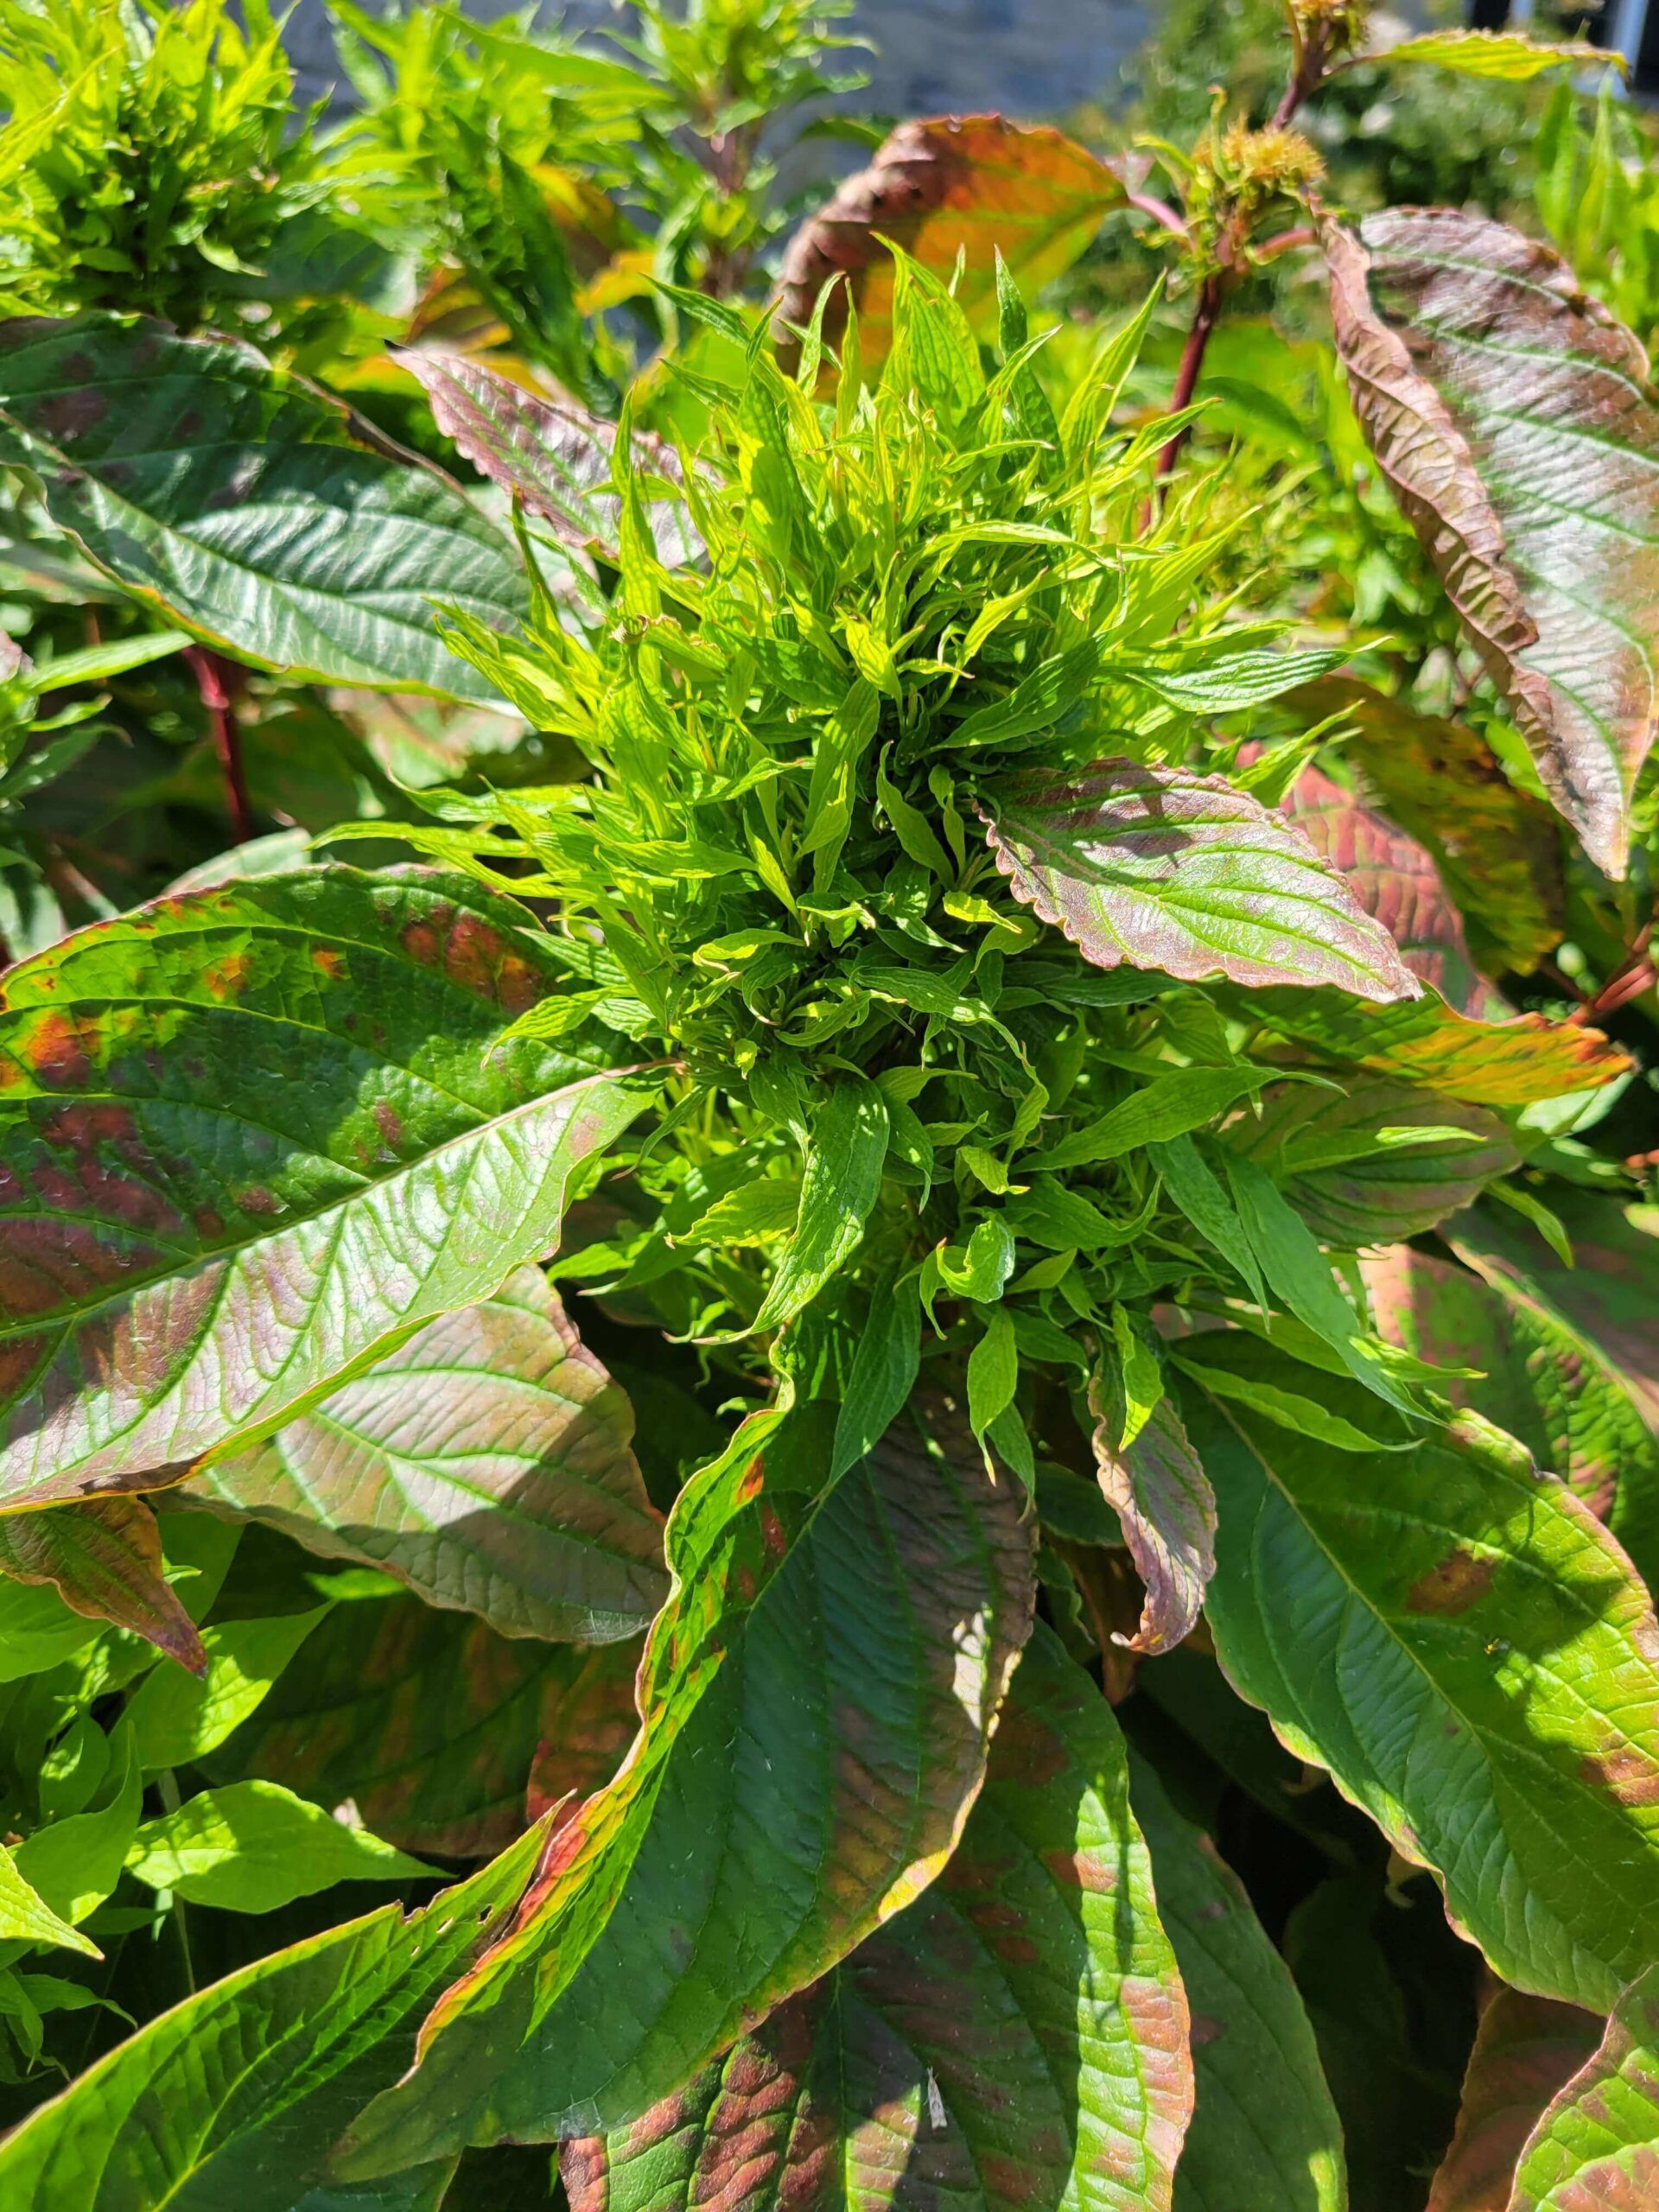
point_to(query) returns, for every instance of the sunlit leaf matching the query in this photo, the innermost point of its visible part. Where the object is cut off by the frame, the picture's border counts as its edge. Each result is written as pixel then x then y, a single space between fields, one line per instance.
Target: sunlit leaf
pixel 26 1917
pixel 1596 2147
pixel 1524 2050
pixel 105 1559
pixel 1016 2039
pixel 1164 868
pixel 254 1845
pixel 197 1245
pixel 243 501
pixel 1486 379
pixel 1509 56
pixel 486 1462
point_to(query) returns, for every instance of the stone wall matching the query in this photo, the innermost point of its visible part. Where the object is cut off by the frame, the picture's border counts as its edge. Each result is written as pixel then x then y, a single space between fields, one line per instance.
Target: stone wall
pixel 1026 57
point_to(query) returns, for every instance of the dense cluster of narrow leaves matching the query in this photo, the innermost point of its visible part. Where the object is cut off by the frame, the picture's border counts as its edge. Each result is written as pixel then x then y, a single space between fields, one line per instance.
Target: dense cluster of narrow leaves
pixel 792 1365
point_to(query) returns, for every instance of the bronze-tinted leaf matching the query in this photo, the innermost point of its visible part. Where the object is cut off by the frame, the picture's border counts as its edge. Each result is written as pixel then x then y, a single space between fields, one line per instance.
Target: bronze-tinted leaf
pixel 446 1738
pixel 1398 883
pixel 1347 1167
pixel 1526 2047
pixel 1596 2147
pixel 1015 2041
pixel 1489 1063
pixel 1162 868
pixel 976 185
pixel 486 1463
pixel 1162 1496
pixel 1498 849
pixel 104 1559
pixel 1512 415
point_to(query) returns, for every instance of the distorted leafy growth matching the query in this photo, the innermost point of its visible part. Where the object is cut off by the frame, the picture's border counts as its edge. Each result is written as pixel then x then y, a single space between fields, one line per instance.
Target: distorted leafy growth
pixel 946 1328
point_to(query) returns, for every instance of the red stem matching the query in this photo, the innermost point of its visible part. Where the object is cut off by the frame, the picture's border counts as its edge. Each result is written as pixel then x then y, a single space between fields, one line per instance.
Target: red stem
pixel 218 681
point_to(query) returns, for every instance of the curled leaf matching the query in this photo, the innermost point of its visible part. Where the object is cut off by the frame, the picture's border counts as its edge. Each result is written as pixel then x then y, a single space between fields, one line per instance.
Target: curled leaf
pixel 1161 1496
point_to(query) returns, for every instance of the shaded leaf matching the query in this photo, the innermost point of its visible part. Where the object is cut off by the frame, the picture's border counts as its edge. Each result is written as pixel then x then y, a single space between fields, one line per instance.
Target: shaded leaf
pixel 555 457
pixel 1396 882
pixel 1609 1294
pixel 1489 1063
pixel 1164 868
pixel 105 1559
pixel 197 1246
pixel 254 1845
pixel 1161 1494
pixel 1348 1162
pixel 237 2093
pixel 246 503
pixel 1264 2135
pixel 976 185
pixel 1524 2050
pixel 1544 1379
pixel 792 1788
pixel 446 1737
pixel 1498 848
pixel 1014 2042
pixel 1457 1639
pixel 1486 381
pixel 846 1146
pixel 486 1462
pixel 1596 2147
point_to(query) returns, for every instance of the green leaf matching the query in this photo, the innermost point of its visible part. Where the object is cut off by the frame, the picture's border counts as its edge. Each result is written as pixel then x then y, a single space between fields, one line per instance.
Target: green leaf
pixel 200 1247
pixel 74 1863
pixel 1596 2147
pixel 1016 2038
pixel 235 2096
pixel 1525 2049
pixel 1458 1641
pixel 847 1146
pixel 1158 1111
pixel 992 1371
pixel 1378 1162
pixel 1202 1197
pixel 807 1760
pixel 1507 55
pixel 105 1558
pixel 38 1630
pixel 26 1917
pixel 254 1845
pixel 1164 868
pixel 1161 1496
pixel 884 1367
pixel 486 1463
pixel 1264 2136
pixel 439 1731
pixel 1485 379
pixel 1542 1378
pixel 976 185
pixel 247 504
pixel 172 1720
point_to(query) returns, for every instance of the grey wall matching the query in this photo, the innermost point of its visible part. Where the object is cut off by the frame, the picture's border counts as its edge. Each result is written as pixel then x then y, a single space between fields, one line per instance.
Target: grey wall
pixel 1027 58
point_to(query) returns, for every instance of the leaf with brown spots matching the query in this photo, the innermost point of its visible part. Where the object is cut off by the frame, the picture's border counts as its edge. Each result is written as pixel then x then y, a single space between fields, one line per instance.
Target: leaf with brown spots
pixel 1512 416
pixel 808 1758
pixel 486 1463
pixel 1396 882
pixel 1460 1644
pixel 1525 2049
pixel 251 505
pixel 1014 2042
pixel 1596 2148
pixel 447 1737
pixel 1542 1378
pixel 973 185
pixel 1162 868
pixel 1265 2136
pixel 1162 1496
pixel 104 1559
pixel 251 1140
pixel 1498 849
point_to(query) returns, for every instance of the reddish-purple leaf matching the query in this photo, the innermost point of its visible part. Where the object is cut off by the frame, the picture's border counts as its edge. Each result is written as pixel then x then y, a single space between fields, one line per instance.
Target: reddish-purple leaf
pixel 1526 2047
pixel 1161 1494
pixel 105 1559
pixel 1512 413
pixel 1162 868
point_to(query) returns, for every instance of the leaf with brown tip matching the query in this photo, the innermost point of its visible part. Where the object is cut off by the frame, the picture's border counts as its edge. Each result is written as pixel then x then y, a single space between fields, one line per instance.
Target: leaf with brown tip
pixel 1512 415
pixel 104 1559
pixel 1162 1496
pixel 1525 2049
pixel 1490 1063
pixel 976 185
pixel 1161 867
